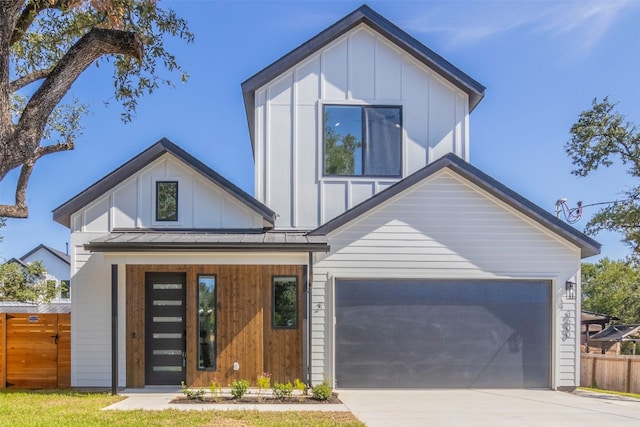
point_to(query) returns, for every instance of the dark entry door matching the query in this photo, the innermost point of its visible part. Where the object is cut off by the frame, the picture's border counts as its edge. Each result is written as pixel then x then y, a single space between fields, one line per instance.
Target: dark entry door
pixel 165 322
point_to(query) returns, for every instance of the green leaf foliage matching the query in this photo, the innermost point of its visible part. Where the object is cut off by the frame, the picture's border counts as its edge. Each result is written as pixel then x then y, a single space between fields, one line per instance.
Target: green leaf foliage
pixel 339 151
pixel 600 137
pixel 55 30
pixel 613 288
pixel 26 283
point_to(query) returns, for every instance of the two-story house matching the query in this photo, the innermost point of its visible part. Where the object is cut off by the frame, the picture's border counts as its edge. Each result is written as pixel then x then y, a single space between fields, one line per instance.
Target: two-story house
pixel 372 254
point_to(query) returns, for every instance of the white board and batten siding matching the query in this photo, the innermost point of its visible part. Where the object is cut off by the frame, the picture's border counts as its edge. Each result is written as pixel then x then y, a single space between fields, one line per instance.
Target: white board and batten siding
pixel 130 205
pixel 359 68
pixel 447 228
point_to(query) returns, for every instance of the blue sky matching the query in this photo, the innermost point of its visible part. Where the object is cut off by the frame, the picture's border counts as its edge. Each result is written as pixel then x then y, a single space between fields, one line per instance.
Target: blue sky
pixel 542 63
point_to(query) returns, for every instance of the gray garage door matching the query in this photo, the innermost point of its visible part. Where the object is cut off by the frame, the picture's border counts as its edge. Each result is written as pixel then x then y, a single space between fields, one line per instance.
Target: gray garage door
pixel 453 334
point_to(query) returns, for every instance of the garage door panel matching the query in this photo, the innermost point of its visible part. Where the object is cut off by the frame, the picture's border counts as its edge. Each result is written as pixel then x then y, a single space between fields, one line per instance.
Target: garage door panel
pixel 442 334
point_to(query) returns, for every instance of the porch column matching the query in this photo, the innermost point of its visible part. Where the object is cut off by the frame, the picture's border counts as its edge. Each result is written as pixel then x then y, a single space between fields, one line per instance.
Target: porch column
pixel 114 329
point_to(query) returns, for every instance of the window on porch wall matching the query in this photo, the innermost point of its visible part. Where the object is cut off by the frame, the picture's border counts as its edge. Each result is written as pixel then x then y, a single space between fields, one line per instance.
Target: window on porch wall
pixel 285 302
pixel 207 322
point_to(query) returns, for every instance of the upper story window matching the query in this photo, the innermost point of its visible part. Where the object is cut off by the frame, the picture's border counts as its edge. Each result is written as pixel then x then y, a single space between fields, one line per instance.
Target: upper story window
pixel 362 140
pixel 166 200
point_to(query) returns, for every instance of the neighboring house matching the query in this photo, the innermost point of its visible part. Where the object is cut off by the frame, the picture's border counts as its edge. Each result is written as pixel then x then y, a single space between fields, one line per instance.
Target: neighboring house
pixel 57 266
pixel 373 253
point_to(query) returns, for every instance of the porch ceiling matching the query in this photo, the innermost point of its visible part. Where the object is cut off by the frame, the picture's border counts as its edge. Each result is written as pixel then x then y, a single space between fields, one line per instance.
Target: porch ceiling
pixel 205 241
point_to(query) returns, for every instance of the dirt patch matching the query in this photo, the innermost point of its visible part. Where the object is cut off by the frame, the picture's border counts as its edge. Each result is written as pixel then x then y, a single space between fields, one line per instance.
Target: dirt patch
pixel 256 400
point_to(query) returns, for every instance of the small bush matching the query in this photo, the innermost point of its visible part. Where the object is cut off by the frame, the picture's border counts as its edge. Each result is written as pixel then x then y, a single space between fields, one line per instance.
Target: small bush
pixel 282 391
pixel 322 391
pixel 216 389
pixel 263 381
pixel 197 394
pixel 300 386
pixel 239 388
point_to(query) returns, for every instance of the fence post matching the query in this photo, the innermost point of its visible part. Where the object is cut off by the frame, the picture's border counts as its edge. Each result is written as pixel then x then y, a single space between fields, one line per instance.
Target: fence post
pixel 593 373
pixel 627 386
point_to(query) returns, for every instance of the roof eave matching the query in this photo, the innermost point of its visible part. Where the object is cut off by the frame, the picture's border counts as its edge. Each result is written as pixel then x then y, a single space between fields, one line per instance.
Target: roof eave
pixel 383 26
pixel 62 214
pixel 588 246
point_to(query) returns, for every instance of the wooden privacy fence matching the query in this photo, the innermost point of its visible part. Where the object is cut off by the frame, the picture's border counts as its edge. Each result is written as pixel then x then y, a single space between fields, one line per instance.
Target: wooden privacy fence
pixel 610 372
pixel 35 350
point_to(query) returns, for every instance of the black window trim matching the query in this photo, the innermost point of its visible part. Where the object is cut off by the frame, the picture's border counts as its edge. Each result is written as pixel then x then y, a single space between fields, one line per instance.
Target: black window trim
pixel 173 181
pixel 362 108
pixel 273 301
pixel 215 326
pixel 68 290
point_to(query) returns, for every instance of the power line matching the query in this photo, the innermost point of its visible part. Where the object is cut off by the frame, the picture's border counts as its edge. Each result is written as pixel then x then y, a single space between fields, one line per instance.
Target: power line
pixel 573 215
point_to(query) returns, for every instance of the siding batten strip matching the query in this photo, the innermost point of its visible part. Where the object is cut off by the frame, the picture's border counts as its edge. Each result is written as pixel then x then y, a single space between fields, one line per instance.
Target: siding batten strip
pixel 114 329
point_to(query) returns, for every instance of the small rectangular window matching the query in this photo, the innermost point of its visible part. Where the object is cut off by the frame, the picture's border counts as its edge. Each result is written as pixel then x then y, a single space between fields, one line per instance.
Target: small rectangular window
pixel 285 302
pixel 207 322
pixel 65 289
pixel 362 140
pixel 166 200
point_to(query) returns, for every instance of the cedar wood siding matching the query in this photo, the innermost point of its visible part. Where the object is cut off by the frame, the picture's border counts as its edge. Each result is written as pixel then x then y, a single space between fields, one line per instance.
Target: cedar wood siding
pixel 243 318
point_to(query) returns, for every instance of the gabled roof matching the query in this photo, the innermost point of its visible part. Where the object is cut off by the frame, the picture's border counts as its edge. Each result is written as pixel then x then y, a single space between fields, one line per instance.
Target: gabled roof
pixel 17 261
pixel 587 245
pixel 363 15
pixel 62 214
pixel 590 317
pixel 61 255
pixel 616 333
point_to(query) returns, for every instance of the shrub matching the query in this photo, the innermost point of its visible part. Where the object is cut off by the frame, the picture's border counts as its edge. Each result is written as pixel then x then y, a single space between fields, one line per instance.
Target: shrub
pixel 216 389
pixel 239 388
pixel 322 391
pixel 263 381
pixel 300 386
pixel 197 394
pixel 282 391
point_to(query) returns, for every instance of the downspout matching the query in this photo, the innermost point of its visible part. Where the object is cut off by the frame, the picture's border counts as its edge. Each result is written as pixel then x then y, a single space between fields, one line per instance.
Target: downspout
pixel 308 296
pixel 114 329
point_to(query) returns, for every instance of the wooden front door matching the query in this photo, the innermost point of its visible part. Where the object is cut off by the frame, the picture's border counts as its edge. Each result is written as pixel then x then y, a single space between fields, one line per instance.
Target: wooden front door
pixel 165 320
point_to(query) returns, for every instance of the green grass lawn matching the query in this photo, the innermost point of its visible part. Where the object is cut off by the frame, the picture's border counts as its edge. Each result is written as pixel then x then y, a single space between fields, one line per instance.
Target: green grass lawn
pixel 617 393
pixel 53 409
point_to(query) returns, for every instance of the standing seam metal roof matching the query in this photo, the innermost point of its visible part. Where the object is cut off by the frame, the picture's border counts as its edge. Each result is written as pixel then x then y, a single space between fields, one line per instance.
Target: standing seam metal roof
pixel 215 240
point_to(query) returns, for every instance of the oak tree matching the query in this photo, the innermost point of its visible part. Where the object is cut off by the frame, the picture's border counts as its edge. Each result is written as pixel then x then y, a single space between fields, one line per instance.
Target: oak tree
pixel 613 288
pixel 600 137
pixel 26 283
pixel 45 45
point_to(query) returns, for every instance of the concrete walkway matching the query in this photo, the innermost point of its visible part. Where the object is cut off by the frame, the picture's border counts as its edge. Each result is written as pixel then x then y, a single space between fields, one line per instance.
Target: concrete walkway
pixel 490 408
pixel 377 408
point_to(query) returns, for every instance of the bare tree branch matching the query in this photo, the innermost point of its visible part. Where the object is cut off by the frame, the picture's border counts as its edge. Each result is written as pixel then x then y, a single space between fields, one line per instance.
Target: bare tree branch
pixel 19 209
pixel 23 81
pixel 54 148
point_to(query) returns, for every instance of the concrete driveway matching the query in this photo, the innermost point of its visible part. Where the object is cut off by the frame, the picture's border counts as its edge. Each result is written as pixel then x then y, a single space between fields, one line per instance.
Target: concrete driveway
pixel 490 408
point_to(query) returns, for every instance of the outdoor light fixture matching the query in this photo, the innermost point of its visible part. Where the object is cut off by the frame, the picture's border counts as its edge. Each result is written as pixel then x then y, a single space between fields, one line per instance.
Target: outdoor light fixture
pixel 570 289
